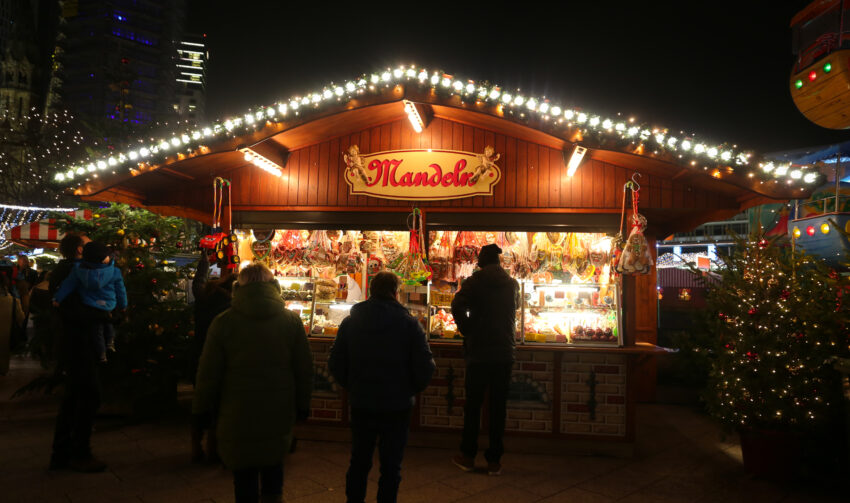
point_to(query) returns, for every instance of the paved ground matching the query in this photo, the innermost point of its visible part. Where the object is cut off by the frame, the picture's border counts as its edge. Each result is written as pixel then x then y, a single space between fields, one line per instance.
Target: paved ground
pixel 681 456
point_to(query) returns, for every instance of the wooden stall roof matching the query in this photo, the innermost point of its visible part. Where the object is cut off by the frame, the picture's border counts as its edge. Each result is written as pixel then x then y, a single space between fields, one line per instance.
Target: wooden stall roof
pixel 675 195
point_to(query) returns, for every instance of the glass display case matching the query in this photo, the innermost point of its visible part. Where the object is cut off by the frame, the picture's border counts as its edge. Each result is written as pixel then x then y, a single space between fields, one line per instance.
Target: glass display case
pixel 297 293
pixel 579 314
pixel 441 323
pixel 416 299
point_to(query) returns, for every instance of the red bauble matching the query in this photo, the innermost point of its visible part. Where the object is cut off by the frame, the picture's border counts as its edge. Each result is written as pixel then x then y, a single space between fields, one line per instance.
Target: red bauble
pixel 179 244
pixel 752 356
pixel 763 244
pixel 140 266
pixel 153 280
pixel 785 294
pixel 752 311
pixel 721 316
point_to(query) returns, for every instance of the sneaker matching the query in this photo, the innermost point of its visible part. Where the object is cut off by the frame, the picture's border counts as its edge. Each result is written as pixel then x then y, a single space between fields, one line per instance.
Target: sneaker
pixel 464 463
pixel 89 464
pixel 494 469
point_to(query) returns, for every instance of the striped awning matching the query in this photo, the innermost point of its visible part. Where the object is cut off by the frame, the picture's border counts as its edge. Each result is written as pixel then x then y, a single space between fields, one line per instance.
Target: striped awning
pixel 673 277
pixel 43 230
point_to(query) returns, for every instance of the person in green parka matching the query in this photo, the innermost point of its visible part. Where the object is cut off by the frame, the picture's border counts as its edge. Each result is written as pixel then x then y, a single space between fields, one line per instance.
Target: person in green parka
pixel 255 375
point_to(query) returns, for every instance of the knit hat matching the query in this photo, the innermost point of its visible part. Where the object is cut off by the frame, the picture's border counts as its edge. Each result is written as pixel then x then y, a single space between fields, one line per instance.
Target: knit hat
pixel 489 254
pixel 95 252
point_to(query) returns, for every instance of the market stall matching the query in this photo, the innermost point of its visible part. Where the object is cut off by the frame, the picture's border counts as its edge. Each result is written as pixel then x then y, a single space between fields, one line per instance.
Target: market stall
pixel 406 166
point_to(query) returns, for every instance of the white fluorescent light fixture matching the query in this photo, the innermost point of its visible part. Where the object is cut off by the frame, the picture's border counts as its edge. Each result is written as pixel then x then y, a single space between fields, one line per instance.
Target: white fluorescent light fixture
pixel 262 162
pixel 575 159
pixel 414 117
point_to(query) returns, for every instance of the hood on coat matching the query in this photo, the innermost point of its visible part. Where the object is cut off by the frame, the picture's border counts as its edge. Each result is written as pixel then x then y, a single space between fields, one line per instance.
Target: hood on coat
pixel 257 300
pixel 95 276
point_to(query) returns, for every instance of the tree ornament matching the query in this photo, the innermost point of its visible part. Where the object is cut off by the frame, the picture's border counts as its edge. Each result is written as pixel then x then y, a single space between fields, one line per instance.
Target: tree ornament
pixel 153 280
pixel 721 316
pixel 179 244
pixel 140 266
pixel 763 243
pixel 96 215
pixel 752 311
pixel 120 232
pixel 785 294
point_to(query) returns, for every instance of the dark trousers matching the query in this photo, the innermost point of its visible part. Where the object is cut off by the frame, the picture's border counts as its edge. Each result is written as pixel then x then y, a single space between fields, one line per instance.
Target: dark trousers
pixel 246 483
pixel 389 430
pixel 479 378
pixel 72 436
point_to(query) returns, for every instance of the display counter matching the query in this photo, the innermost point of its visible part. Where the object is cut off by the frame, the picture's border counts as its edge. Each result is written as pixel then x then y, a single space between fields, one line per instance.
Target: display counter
pixel 556 390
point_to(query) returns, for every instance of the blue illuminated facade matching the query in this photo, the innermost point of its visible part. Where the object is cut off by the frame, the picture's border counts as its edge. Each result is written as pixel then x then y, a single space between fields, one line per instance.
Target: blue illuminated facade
pixel 119 61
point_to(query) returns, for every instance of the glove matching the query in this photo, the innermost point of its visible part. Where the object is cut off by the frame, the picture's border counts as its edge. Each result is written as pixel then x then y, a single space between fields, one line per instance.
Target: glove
pixel 302 415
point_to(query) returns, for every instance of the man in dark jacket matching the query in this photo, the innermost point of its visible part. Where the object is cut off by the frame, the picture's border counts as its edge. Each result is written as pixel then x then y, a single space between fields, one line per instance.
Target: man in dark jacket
pixel 78 361
pixel 485 312
pixel 381 356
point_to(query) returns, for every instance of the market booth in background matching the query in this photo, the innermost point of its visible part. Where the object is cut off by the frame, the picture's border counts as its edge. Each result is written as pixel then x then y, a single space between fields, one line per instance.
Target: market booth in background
pixel 328 187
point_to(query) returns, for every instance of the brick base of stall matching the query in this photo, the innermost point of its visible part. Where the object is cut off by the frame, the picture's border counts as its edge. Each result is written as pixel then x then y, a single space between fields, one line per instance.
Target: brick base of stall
pixel 579 397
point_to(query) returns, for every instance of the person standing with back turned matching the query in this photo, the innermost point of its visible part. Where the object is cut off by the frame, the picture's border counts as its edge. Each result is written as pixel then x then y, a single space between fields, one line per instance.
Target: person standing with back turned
pixel 381 356
pixel 256 376
pixel 485 312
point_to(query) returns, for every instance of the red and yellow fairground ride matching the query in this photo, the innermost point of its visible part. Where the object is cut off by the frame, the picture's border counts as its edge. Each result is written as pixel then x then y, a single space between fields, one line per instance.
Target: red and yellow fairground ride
pixel 820 79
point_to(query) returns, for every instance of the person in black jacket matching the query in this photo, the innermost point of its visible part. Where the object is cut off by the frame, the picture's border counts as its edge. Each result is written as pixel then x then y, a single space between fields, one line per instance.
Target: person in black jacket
pixel 485 312
pixel 381 356
pixel 78 362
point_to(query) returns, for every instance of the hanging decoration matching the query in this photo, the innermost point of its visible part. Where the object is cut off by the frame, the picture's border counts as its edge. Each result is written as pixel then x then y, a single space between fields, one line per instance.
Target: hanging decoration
pixel 413 268
pixel 635 257
pixel 261 248
pixel 221 246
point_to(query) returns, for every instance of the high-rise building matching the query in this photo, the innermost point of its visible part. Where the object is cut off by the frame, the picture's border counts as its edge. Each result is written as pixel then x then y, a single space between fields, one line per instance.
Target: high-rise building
pixel 192 57
pixel 119 65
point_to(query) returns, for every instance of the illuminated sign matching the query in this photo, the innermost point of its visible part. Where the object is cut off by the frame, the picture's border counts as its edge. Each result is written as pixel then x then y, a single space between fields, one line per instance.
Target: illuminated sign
pixel 422 175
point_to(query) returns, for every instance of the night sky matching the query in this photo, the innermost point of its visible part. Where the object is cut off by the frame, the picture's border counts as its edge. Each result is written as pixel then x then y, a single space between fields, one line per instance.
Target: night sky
pixel 714 69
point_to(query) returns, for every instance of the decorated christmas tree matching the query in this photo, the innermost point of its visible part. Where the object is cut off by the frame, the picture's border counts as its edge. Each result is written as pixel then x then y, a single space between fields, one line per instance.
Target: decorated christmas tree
pixel 780 317
pixel 152 339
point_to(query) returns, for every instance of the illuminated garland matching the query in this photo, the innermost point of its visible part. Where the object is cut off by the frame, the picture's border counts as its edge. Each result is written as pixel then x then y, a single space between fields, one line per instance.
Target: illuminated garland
pixel 721 158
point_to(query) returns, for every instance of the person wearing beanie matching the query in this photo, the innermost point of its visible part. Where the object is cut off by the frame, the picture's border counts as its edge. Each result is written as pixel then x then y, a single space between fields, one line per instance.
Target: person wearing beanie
pixel 485 312
pixel 101 288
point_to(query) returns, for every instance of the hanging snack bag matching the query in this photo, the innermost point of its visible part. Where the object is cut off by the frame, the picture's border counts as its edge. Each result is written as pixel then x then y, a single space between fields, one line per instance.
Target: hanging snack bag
pixel 465 254
pixel 318 251
pixel 440 257
pixel 636 258
pixel 350 260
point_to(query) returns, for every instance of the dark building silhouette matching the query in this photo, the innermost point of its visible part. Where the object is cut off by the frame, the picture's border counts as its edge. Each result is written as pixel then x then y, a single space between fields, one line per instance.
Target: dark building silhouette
pixel 119 64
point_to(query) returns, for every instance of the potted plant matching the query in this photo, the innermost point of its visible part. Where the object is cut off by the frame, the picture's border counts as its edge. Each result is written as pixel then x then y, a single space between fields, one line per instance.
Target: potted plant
pixel 779 318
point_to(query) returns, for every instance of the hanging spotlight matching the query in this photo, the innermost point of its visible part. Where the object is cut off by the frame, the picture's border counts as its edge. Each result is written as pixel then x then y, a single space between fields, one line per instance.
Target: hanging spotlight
pixel 414 116
pixel 575 159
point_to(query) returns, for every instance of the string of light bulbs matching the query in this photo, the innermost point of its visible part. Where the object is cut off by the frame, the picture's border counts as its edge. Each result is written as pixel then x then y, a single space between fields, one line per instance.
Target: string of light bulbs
pixel 643 137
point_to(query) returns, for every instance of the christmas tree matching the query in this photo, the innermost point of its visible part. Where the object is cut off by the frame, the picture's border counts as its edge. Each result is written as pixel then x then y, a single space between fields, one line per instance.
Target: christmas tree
pixel 780 316
pixel 151 342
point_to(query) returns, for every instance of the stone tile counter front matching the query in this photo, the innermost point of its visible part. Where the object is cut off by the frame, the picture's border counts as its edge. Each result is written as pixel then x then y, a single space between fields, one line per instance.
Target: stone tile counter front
pixel 563 393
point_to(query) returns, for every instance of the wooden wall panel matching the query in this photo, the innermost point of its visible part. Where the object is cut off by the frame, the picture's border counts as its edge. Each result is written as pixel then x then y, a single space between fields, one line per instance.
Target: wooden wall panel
pixel 533 170
pixel 533 176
